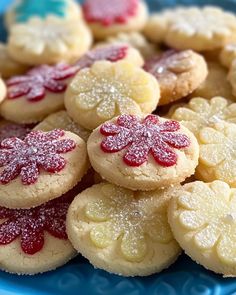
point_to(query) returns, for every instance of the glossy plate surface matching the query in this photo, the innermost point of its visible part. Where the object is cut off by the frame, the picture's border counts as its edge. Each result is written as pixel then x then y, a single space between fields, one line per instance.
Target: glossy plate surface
pixel 80 278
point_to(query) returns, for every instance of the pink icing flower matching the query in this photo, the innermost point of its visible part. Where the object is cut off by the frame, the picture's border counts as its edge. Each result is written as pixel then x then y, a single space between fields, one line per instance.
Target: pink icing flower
pixel 109 12
pixel 39 150
pixel 111 53
pixel 35 83
pixel 143 137
pixel 30 224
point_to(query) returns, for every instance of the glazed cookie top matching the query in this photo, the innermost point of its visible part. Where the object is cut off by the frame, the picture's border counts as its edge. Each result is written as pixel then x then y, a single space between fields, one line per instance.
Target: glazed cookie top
pixel 108 13
pixel 146 151
pixel 178 72
pixel 106 217
pixel 201 112
pixel 107 89
pixel 202 219
pixel 30 224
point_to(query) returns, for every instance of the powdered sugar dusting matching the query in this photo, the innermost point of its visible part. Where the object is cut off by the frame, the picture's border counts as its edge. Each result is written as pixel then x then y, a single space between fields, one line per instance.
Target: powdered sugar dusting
pixel 109 12
pixel 35 83
pixel 39 150
pixel 141 137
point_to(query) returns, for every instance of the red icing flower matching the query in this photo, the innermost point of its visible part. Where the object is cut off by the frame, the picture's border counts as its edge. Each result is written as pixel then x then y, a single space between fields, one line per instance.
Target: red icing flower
pixel 35 83
pixel 14 130
pixel 30 224
pixel 109 12
pixel 111 53
pixel 39 150
pixel 141 137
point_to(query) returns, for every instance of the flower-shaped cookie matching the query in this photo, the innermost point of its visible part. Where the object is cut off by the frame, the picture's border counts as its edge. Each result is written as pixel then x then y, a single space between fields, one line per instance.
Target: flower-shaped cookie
pixel 228 54
pixel 113 53
pixel 179 73
pixel 32 168
pixel 200 113
pixel 129 230
pixel 143 153
pixel 217 153
pixel 208 88
pixel 36 238
pixel 194 28
pixel 108 89
pixel 107 18
pixel 61 120
pixel 39 92
pixel 8 66
pixel 202 218
pixel 48 41
pixel 23 10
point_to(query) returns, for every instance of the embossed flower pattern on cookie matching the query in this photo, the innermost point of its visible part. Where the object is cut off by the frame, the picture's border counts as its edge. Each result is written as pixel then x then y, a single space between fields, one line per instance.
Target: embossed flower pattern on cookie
pixel 208 212
pixel 118 214
pixel 27 8
pixel 111 53
pixel 37 81
pixel 39 150
pixel 200 113
pixel 108 13
pixel 143 137
pixel 30 224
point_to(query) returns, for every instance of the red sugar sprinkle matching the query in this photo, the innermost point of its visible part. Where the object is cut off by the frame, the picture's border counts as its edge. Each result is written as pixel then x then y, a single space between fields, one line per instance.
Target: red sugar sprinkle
pixel 39 150
pixel 141 137
pixel 109 12
pixel 35 83
pixel 30 224
pixel 111 53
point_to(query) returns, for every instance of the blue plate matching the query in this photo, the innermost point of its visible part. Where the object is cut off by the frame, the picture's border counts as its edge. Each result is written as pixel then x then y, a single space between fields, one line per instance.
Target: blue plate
pixel 80 278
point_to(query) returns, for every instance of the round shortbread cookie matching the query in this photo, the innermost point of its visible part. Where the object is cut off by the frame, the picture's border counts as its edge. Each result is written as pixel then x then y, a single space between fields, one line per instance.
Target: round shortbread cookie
pixel 8 66
pixel 201 112
pixel 39 93
pixel 48 41
pixel 22 10
pixel 216 83
pixel 217 160
pixel 106 18
pixel 143 153
pixel 3 90
pixel 202 218
pixel 35 240
pixel 107 89
pixel 136 40
pixel 194 28
pixel 228 54
pixel 112 53
pixel 179 73
pixel 122 231
pixel 61 120
pixel 41 167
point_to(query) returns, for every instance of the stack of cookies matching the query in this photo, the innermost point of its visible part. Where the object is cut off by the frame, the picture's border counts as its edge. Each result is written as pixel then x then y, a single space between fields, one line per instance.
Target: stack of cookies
pixel 122 149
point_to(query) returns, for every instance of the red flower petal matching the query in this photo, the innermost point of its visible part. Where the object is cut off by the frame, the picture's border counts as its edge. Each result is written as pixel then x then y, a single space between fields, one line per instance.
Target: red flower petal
pixel 9 231
pixel 32 240
pixel 164 156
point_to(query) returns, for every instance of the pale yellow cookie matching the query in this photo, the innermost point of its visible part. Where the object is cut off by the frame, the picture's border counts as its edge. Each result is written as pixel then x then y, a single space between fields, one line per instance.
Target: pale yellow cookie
pixel 107 89
pixel 108 18
pixel 136 40
pixel 61 120
pixel 8 66
pixel 194 28
pixel 121 231
pixel 217 158
pixel 40 167
pixel 232 77
pixel 228 54
pixel 201 112
pixel 3 90
pixel 22 10
pixel 179 73
pixel 216 83
pixel 202 218
pixel 143 153
pixel 48 41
